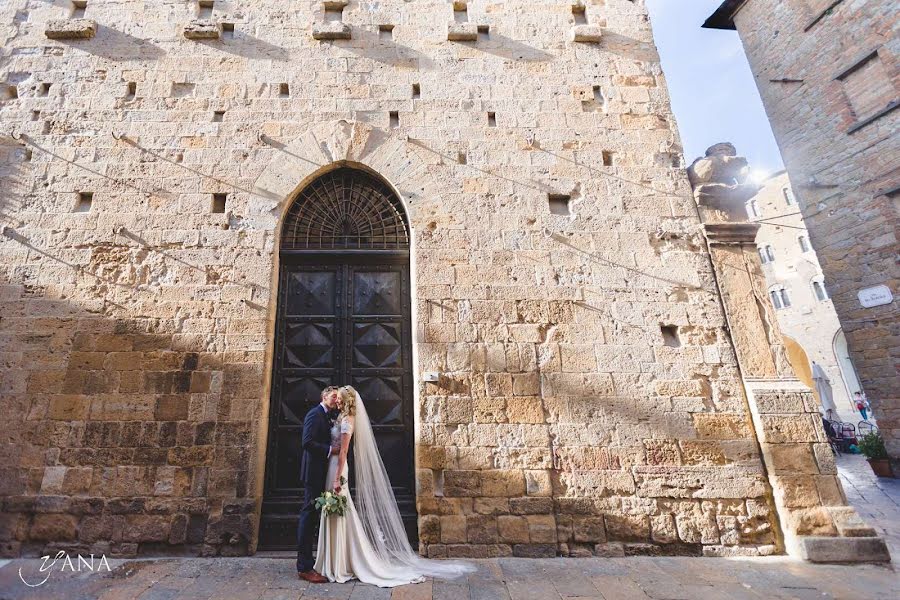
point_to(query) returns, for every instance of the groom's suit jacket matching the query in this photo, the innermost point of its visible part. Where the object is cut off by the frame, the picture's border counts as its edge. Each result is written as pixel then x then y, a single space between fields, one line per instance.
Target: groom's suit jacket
pixel 316 445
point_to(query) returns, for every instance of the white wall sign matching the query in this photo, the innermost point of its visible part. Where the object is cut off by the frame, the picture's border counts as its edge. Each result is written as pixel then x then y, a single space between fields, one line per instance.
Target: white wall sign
pixel 875 296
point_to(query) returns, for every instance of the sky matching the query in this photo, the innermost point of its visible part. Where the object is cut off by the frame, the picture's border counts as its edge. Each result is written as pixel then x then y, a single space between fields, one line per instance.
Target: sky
pixel 713 92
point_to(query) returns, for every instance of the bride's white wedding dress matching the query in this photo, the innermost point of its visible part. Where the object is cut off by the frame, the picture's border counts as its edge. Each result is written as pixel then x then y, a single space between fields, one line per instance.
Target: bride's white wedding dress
pixel 369 542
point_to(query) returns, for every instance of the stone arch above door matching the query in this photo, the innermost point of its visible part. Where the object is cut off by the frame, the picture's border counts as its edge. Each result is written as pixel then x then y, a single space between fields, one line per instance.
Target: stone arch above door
pixel 410 168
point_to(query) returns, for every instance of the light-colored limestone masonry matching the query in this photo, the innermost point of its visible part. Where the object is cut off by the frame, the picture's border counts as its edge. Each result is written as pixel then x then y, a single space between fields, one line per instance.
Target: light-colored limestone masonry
pixel 586 396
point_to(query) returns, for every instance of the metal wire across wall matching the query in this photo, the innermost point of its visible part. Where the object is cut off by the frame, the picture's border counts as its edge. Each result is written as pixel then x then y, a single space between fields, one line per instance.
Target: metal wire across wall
pixel 346 209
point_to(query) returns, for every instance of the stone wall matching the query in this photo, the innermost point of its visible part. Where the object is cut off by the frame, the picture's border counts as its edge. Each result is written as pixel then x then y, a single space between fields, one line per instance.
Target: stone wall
pixel 589 401
pixel 828 77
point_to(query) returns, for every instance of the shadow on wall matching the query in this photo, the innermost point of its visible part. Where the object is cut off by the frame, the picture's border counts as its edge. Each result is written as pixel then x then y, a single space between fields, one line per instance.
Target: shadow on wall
pixel 116 45
pixel 126 432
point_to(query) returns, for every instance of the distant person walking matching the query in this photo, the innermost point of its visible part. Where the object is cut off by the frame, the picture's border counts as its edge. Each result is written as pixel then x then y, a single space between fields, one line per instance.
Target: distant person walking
pixel 862 404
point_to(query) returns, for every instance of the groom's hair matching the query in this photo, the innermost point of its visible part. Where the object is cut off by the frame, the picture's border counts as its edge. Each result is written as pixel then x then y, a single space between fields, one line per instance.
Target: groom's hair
pixel 328 390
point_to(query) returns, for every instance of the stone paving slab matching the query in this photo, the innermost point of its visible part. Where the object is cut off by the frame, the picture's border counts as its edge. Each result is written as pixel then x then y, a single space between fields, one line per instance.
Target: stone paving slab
pixel 876 499
pixel 637 578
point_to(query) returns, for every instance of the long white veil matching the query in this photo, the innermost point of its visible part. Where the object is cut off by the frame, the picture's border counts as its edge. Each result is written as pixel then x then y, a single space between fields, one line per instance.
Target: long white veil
pixel 377 509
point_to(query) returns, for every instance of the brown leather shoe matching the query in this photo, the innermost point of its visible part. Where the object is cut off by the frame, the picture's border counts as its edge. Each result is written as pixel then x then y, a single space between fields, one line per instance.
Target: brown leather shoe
pixel 312 577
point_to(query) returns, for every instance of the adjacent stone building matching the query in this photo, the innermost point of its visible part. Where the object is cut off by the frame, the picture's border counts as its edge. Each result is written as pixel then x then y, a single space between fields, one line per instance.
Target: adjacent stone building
pixel 797 291
pixel 477 213
pixel 828 76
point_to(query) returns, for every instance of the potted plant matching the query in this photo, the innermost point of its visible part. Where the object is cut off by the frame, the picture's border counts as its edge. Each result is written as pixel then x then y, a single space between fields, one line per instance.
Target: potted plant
pixel 872 445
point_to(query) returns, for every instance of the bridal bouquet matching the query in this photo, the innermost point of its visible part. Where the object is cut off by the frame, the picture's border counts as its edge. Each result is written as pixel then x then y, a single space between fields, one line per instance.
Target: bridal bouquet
pixel 332 503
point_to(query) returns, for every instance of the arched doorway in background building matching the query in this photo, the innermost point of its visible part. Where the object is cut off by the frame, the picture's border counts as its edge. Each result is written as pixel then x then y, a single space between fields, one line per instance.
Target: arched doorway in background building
pixel 343 317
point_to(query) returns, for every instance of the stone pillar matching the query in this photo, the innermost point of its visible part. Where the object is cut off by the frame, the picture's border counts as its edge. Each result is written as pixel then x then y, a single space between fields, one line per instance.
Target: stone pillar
pixel 815 519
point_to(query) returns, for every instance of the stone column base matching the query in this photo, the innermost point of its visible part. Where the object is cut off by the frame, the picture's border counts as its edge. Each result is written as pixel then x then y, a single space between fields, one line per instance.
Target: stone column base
pixel 843 549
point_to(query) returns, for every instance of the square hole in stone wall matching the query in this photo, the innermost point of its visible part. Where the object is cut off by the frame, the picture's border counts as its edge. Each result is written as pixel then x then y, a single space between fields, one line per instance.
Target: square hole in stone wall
pixel 416 91
pixel 385 32
pixel 132 90
pixel 460 12
pixel 334 11
pixel 218 116
pixel 394 119
pixel 580 14
pixel 205 9
pixel 44 89
pixel 560 204
pixel 670 336
pixel 227 30
pixel 608 158
pixel 218 203
pixel 492 119
pixel 78 8
pixel 284 90
pixel 85 200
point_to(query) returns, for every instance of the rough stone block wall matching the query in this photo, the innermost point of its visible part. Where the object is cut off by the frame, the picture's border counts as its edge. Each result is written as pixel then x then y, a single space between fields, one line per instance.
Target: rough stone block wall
pixel 590 400
pixel 830 84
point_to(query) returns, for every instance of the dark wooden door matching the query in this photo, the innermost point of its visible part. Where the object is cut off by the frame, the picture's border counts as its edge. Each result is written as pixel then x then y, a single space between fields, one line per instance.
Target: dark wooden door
pixel 343 318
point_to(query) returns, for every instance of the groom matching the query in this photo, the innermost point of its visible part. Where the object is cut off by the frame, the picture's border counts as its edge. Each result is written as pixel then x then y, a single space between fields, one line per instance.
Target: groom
pixel 317 449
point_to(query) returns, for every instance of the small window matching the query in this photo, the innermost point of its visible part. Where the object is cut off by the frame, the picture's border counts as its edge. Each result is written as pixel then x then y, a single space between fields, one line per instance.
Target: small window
pixel 132 91
pixel 785 299
pixel 559 204
pixel 804 243
pixel 228 30
pixel 780 298
pixel 492 119
pixel 819 291
pixel 788 196
pixel 218 116
pixel 284 90
pixel 766 254
pixel 385 32
pixel 218 203
pixel 608 158
pixel 394 119
pixel 416 91
pixel 753 209
pixel 44 90
pixel 461 158
pixel 85 200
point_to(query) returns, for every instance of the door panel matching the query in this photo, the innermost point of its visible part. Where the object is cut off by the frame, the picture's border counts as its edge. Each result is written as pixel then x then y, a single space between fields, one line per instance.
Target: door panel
pixel 342 318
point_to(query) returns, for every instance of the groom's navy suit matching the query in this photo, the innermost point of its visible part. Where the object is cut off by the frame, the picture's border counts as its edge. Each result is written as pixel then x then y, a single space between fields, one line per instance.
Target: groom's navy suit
pixel 313 468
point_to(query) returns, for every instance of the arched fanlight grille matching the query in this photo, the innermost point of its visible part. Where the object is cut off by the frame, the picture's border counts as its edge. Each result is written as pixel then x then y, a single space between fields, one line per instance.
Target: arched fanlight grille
pixel 346 209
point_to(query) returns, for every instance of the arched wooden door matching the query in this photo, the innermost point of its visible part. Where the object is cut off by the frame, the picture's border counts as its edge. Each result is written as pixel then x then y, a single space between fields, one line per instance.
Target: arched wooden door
pixel 343 318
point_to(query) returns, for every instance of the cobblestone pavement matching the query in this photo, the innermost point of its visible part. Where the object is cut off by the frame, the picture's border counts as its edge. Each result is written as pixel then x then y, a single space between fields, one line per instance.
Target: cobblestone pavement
pixel 876 499
pixel 638 578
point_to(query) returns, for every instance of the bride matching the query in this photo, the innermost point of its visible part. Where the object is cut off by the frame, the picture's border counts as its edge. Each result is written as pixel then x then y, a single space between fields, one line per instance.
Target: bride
pixel 369 542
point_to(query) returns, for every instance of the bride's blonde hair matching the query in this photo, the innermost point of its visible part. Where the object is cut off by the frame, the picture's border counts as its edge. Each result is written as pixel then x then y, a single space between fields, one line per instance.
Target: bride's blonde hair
pixel 348 400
